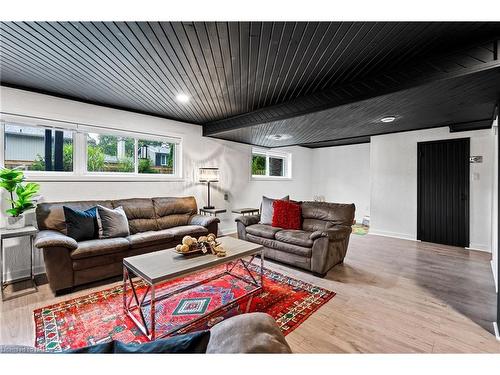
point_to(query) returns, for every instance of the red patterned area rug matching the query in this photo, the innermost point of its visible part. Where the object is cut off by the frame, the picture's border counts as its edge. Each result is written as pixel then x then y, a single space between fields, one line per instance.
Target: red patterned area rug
pixel 99 317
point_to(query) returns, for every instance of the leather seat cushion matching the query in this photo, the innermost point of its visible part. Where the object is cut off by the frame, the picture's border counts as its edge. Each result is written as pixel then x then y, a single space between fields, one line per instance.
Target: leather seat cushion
pixel 263 230
pixel 99 247
pixel 187 230
pixel 284 247
pixel 146 238
pixel 295 237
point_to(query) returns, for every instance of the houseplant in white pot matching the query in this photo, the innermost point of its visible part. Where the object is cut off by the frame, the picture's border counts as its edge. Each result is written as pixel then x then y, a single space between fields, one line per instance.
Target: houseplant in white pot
pixel 12 180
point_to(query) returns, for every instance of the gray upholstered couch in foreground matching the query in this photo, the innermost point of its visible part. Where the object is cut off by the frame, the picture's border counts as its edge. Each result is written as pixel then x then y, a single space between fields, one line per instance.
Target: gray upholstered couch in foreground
pixel 154 223
pixel 246 333
pixel 317 247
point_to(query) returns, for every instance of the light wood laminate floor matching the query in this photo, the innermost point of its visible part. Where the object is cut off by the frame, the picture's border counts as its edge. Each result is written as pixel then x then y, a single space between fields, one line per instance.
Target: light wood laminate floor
pixel 393 296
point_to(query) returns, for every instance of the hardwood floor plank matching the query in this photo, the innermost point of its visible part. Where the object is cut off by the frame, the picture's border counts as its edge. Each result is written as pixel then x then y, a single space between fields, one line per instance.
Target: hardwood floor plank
pixel 393 296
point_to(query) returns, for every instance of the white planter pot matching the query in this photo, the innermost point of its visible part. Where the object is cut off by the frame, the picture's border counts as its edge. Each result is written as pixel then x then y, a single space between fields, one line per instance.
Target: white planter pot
pixel 15 222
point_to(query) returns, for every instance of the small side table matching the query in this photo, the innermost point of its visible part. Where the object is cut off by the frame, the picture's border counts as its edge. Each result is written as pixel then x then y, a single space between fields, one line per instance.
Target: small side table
pixel 211 211
pixel 246 211
pixel 30 231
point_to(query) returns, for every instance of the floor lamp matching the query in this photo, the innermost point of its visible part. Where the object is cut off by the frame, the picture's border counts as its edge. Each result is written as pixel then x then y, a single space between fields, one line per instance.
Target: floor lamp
pixel 209 175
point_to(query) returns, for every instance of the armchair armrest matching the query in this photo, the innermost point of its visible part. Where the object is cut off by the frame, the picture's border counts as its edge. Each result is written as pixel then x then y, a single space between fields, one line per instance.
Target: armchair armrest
pixel 338 232
pixel 247 220
pixel 203 220
pixel 52 238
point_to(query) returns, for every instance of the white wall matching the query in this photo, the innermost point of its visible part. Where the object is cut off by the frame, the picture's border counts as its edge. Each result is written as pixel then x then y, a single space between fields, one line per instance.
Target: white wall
pixel 343 176
pixel 393 174
pixel 494 205
pixel 233 159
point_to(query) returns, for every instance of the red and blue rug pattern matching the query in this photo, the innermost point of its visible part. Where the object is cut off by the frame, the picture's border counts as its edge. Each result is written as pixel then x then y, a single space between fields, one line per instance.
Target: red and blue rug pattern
pixel 98 317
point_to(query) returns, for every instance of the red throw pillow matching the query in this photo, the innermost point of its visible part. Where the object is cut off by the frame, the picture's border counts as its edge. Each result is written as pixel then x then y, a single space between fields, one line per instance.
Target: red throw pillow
pixel 287 215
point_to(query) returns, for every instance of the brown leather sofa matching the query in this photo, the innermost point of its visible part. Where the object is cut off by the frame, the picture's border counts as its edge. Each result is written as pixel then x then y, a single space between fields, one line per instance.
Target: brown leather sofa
pixel 317 247
pixel 154 223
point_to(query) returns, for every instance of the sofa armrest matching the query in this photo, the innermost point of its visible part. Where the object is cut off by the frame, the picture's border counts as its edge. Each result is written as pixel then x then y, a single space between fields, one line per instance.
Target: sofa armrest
pixel 247 220
pixel 52 238
pixel 338 232
pixel 203 220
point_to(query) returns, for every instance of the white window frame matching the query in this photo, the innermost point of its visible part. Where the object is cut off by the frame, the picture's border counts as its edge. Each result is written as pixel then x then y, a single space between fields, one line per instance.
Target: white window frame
pixel 286 156
pixel 42 124
pixel 80 172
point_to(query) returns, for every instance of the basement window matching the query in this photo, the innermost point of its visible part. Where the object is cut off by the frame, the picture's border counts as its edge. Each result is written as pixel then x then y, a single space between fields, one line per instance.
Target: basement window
pixel 270 164
pixel 110 154
pixel 37 148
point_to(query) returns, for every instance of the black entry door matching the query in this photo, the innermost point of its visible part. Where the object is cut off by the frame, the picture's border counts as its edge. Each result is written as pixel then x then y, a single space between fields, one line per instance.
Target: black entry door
pixel 443 192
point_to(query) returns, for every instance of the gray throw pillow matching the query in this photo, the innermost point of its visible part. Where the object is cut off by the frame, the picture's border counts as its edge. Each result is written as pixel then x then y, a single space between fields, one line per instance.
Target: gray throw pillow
pixel 267 209
pixel 112 223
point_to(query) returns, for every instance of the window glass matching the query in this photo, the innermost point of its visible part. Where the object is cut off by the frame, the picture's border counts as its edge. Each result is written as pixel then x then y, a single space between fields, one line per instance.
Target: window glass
pixel 270 164
pixel 258 165
pixel 110 153
pixel 276 166
pixel 156 157
pixel 38 149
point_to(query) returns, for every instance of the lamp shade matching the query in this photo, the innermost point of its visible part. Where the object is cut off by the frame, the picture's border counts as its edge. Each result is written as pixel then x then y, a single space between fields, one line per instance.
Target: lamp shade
pixel 209 174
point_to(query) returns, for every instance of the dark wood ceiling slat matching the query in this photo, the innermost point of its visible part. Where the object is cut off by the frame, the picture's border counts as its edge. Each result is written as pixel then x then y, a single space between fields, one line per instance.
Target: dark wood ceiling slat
pixel 129 51
pixel 254 74
pixel 33 50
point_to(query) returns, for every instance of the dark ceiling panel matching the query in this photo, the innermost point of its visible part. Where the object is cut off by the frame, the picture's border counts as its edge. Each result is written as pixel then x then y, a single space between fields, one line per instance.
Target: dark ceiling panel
pixel 435 104
pixel 230 68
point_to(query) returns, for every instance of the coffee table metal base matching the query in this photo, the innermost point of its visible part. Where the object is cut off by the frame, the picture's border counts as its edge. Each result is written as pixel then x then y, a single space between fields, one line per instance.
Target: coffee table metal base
pixel 147 324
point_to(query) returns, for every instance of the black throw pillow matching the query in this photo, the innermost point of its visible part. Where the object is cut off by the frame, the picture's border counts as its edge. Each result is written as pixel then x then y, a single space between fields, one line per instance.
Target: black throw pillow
pixel 81 225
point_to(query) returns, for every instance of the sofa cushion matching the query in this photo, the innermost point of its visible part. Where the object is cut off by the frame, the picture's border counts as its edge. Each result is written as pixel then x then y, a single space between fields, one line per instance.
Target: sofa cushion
pixel 50 216
pixel 282 246
pixel 173 212
pixel 146 238
pixel 263 230
pixel 333 213
pixel 98 247
pixel 295 237
pixel 113 222
pixel 140 214
pixel 287 215
pixel 81 225
pixel 267 209
pixel 194 342
pixel 187 230
pixel 247 333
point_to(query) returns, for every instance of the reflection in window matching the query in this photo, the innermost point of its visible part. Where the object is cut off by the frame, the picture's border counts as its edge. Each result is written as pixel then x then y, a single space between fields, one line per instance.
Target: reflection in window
pixel 110 153
pixel 156 157
pixel 38 149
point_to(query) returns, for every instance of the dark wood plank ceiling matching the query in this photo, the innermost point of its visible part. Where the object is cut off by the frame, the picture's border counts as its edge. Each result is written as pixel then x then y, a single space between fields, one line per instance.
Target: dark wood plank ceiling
pixel 441 103
pixel 227 68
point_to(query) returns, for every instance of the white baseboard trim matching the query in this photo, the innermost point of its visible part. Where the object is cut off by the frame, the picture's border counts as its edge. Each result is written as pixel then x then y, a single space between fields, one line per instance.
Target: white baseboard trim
pixel 401 236
pixel 497 333
pixel 479 247
pixel 19 274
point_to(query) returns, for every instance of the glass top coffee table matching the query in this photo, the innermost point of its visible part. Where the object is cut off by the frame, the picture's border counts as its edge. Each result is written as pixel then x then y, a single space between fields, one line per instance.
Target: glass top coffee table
pixel 155 268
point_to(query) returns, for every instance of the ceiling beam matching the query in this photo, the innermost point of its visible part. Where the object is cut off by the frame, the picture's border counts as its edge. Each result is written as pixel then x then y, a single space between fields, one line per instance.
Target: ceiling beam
pixel 481 57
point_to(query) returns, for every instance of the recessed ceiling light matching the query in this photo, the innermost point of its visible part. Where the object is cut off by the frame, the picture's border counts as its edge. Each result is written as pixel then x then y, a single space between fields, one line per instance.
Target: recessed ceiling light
pixel 182 98
pixel 279 137
pixel 388 119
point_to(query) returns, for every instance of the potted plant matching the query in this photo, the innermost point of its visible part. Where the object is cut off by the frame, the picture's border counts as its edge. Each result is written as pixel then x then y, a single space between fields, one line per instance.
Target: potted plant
pixel 12 181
